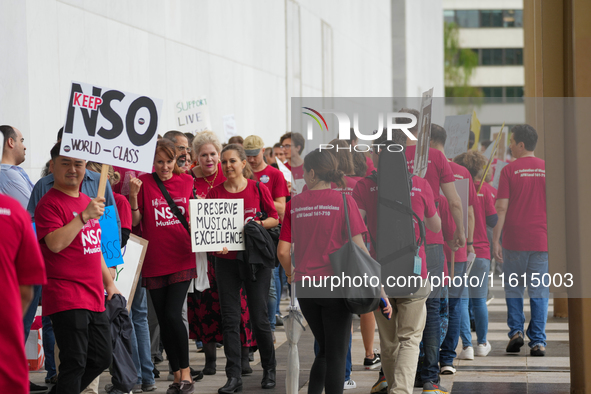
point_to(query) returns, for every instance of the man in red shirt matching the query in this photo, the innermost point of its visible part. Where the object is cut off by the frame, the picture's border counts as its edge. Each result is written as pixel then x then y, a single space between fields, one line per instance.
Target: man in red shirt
pixel 440 176
pixel 21 267
pixel 77 276
pixel 521 208
pixel 400 337
pixel 293 146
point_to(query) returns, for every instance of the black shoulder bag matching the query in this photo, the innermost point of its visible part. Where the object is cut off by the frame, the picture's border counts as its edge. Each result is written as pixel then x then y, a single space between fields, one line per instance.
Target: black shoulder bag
pixel 273 232
pixel 173 207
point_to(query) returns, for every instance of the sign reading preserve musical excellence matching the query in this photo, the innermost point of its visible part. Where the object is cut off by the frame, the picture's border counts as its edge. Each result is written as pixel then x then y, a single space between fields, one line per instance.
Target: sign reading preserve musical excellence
pixel 110 126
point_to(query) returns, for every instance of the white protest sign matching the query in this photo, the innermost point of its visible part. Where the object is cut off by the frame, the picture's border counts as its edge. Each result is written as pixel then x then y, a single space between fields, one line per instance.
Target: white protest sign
pixel 128 274
pixel 421 160
pixel 284 170
pixel 230 126
pixel 217 223
pixel 498 167
pixel 457 129
pixel 110 126
pixel 192 116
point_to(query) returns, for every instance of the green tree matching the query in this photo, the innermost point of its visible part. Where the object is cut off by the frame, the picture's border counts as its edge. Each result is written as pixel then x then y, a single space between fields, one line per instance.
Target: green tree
pixel 459 65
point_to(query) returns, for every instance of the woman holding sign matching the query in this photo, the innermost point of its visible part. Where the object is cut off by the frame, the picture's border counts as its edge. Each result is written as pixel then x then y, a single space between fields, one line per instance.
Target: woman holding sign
pixel 232 273
pixel 204 312
pixel 160 202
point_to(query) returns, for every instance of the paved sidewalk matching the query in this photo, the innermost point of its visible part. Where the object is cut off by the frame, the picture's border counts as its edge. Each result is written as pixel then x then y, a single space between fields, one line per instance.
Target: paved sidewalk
pixel 498 373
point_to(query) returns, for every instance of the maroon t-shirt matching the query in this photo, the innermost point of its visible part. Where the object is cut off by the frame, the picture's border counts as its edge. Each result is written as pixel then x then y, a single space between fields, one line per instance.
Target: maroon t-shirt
pixel 252 204
pixel 370 167
pixel 438 172
pixel 169 250
pixel 74 275
pixel 274 180
pixel 122 187
pixel 315 223
pixel 124 210
pixel 21 264
pixel 484 208
pixel 203 185
pixel 523 182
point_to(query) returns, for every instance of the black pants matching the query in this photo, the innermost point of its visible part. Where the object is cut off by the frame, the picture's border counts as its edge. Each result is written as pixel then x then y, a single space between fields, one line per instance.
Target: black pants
pixel 330 321
pixel 168 304
pixel 84 340
pixel 230 276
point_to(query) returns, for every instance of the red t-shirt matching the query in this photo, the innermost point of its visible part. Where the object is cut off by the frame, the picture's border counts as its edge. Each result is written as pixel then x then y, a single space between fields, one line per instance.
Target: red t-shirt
pixel 438 172
pixel 122 187
pixel 169 250
pixel 523 182
pixel 318 238
pixel 484 208
pixel 204 185
pixel 74 275
pixel 287 165
pixel 461 172
pixel 297 179
pixel 252 204
pixel 274 180
pixel 350 182
pixel 370 167
pixel 124 210
pixel 422 200
pixel 20 264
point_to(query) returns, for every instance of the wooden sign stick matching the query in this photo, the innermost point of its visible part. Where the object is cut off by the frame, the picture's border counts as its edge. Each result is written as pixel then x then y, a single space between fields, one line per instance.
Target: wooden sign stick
pixel 103 181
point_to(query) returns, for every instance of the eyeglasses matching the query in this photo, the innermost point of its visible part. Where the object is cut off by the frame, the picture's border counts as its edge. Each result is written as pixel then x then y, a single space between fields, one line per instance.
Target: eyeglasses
pixel 287 146
pixel 184 148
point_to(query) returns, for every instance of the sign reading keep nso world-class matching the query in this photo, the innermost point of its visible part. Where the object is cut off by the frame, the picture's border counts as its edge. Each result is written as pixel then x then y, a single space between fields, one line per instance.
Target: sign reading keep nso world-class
pixel 110 126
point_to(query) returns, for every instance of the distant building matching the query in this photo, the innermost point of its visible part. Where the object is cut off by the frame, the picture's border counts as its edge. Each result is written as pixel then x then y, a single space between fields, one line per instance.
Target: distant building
pixel 493 29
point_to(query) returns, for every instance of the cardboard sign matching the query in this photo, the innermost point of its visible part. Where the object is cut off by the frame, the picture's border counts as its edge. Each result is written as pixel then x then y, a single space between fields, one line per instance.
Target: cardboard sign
pixel 110 241
pixel 499 166
pixel 475 128
pixel 217 223
pixel 503 141
pixel 421 160
pixel 128 274
pixel 284 170
pixel 111 127
pixel 490 153
pixel 230 126
pixel 458 134
pixel 192 116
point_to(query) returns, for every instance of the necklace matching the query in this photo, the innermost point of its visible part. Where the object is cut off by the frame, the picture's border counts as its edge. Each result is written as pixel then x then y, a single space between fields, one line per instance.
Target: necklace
pixel 213 180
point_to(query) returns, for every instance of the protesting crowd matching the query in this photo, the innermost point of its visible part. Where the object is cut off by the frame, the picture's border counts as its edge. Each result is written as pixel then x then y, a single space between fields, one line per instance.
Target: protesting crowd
pixel 51 257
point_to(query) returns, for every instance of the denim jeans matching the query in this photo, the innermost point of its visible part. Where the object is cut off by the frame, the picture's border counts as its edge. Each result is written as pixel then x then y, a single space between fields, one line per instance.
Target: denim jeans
pixel 432 332
pixel 272 302
pixel 49 347
pixel 140 338
pixel 280 279
pixel 477 297
pixel 32 311
pixel 447 354
pixel 518 262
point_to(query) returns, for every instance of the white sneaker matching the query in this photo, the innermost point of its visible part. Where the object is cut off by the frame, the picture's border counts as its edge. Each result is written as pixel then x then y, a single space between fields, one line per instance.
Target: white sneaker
pixel 448 370
pixel 467 353
pixel 350 384
pixel 482 350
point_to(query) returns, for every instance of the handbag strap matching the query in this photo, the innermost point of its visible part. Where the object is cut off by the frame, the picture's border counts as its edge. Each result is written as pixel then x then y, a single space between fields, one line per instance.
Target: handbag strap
pixel 347 216
pixel 173 207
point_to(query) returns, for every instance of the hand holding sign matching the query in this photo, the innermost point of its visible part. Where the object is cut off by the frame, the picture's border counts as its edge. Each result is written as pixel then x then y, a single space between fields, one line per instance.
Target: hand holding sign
pixel 94 210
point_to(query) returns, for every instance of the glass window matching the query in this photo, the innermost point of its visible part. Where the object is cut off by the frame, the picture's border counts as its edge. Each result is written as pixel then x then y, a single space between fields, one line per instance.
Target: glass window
pixel 449 16
pixel 509 18
pixel 467 18
pixel 518 18
pixel 514 56
pixel 492 18
pixel 514 91
pixel 491 57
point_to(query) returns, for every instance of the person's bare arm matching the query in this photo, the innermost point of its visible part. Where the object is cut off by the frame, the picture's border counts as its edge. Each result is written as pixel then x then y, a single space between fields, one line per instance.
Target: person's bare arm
pixel 280 206
pixel 26 297
pixel 134 188
pixel 455 207
pixel 471 223
pixel 501 206
pixel 284 256
pixel 61 238
pixel 433 223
